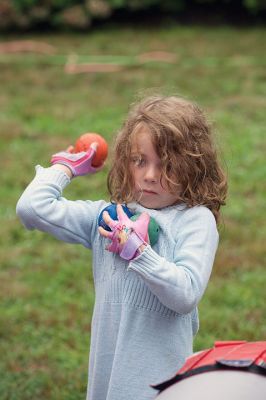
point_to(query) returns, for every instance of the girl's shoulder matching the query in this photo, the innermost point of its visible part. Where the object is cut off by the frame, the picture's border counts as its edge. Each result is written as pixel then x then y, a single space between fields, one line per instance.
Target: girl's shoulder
pixel 198 223
pixel 197 216
pixel 199 212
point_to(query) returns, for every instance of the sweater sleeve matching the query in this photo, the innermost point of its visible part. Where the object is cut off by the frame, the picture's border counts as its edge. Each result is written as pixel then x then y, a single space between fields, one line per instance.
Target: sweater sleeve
pixel 180 284
pixel 42 207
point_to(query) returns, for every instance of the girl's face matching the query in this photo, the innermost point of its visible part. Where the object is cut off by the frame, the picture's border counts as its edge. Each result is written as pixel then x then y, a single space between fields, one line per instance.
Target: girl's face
pixel 150 189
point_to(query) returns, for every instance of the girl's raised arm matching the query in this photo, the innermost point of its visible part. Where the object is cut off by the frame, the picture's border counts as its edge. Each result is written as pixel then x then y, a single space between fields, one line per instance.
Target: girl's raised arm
pixel 42 207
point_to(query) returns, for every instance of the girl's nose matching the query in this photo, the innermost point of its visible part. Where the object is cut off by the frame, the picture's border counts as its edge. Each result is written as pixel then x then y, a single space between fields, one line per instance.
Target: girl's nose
pixel 152 174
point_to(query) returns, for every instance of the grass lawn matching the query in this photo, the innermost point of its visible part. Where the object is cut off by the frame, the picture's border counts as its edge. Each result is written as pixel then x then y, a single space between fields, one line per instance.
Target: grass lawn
pixel 46 286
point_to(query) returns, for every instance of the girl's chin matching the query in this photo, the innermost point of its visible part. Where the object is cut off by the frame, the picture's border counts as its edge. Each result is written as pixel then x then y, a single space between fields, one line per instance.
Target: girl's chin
pixel 148 203
pixel 155 203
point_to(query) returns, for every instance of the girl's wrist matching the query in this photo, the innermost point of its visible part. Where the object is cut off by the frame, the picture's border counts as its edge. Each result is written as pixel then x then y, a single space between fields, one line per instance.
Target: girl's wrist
pixel 63 168
pixel 142 248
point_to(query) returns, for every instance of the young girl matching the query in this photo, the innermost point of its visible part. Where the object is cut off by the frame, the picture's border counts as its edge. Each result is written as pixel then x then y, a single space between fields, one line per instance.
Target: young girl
pixel 145 314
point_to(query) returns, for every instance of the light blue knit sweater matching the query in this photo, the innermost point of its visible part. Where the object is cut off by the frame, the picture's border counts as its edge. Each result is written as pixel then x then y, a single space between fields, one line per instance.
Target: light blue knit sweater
pixel 145 313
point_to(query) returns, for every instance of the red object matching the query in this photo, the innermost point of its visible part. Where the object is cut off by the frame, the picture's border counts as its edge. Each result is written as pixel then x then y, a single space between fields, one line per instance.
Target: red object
pixel 84 142
pixel 228 354
pixel 231 355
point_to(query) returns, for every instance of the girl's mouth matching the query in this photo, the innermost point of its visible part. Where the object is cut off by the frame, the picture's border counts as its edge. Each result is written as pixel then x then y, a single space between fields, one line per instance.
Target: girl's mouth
pixel 148 192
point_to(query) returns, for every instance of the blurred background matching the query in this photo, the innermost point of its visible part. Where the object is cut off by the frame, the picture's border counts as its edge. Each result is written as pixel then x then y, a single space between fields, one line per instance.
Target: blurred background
pixel 68 67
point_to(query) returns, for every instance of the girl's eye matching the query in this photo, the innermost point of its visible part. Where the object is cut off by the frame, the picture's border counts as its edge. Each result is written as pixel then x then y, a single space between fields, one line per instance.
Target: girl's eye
pixel 138 161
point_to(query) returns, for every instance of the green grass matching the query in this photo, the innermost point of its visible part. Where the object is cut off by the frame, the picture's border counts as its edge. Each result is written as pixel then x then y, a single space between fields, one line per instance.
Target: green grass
pixel 46 288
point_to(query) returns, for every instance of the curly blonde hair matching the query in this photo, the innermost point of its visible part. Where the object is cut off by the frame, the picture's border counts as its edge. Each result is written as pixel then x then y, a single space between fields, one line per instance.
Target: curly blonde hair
pixel 182 138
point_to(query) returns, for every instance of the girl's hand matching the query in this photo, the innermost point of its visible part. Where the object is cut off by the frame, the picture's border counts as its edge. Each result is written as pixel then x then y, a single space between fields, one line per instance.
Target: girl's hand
pixel 78 163
pixel 129 238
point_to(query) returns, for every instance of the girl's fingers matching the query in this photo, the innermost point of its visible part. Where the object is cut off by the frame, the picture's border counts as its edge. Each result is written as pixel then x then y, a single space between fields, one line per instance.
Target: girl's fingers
pixel 70 149
pixel 120 212
pixel 94 146
pixel 106 217
pixel 105 233
pixel 108 220
pixel 123 218
pixel 112 223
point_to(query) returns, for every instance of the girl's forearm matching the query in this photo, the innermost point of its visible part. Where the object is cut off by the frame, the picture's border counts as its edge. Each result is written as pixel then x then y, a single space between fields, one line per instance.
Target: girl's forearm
pixel 42 206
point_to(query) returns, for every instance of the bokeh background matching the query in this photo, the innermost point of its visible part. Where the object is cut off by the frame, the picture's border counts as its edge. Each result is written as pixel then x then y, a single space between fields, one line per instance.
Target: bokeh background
pixel 68 67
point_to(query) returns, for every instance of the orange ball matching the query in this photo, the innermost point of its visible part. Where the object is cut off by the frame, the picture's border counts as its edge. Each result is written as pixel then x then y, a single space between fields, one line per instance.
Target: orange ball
pixel 84 142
